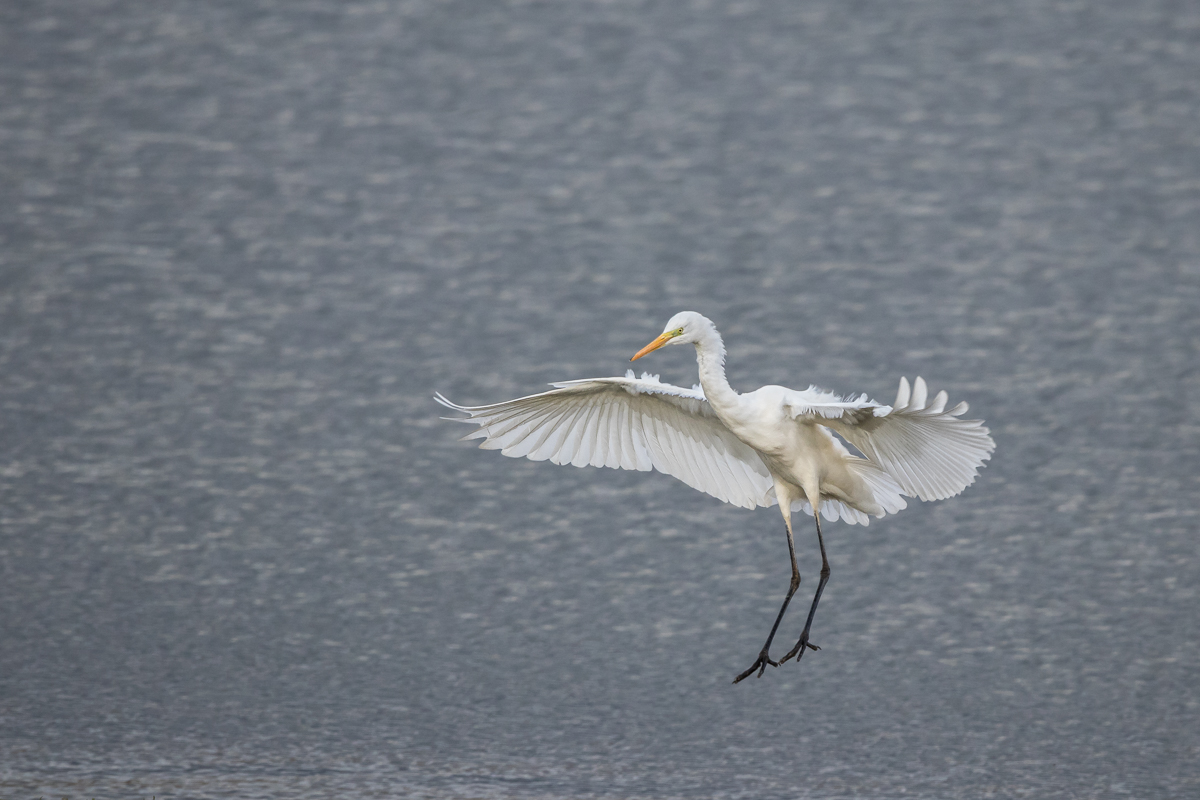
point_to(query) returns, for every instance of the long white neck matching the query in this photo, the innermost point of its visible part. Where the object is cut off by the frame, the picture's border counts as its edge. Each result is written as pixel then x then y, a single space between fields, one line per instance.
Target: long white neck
pixel 710 358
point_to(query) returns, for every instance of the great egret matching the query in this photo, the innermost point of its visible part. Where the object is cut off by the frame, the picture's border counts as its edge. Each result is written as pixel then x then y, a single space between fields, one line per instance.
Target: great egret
pixel 773 445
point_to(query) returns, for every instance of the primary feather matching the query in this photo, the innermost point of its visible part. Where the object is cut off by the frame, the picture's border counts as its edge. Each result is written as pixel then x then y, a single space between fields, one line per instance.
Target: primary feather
pixel 930 452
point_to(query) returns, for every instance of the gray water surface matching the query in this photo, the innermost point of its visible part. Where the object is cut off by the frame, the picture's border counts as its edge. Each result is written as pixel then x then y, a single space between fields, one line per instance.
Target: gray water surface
pixel 242 243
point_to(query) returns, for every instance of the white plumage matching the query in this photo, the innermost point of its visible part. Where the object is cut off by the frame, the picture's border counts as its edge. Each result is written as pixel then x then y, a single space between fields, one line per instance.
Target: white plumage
pixel 627 423
pixel 773 445
pixel 640 423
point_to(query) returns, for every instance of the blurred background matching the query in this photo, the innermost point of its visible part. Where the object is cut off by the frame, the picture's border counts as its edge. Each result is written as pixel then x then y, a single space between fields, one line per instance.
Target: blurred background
pixel 242 244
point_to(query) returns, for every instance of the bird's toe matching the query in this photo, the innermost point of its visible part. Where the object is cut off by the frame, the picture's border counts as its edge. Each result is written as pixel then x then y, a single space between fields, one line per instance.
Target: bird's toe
pixel 798 651
pixel 759 664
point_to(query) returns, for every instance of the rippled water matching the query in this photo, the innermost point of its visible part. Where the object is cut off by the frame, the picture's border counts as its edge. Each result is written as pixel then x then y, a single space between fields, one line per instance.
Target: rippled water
pixel 241 244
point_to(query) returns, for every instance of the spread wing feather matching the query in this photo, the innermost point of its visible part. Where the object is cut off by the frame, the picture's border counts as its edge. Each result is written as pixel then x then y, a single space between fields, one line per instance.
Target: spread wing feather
pixel 929 451
pixel 626 423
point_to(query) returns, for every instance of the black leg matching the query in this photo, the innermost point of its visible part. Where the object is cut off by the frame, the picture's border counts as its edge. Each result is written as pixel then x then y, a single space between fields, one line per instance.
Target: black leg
pixel 798 651
pixel 763 657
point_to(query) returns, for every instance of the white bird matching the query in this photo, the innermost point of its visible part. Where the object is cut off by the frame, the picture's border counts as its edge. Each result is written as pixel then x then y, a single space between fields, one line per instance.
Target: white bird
pixel 773 445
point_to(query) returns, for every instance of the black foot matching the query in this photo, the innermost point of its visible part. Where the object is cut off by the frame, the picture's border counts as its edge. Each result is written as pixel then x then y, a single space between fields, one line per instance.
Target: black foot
pixel 797 652
pixel 760 665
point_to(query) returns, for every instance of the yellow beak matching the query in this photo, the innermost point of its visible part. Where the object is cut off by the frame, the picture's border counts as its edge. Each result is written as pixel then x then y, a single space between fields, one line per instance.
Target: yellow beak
pixel 650 348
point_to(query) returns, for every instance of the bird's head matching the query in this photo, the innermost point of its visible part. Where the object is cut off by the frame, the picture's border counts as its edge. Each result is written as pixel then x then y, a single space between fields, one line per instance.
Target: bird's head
pixel 686 327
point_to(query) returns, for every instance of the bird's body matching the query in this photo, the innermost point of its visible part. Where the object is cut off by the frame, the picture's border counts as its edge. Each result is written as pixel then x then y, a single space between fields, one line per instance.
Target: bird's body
pixel 804 459
pixel 772 445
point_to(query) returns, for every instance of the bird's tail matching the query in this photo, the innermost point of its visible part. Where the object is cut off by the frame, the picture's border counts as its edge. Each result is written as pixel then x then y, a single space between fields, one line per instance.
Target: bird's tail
pixel 886 493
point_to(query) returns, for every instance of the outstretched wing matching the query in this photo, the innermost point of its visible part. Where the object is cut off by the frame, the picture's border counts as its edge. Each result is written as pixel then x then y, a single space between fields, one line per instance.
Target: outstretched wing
pixel 930 452
pixel 626 423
